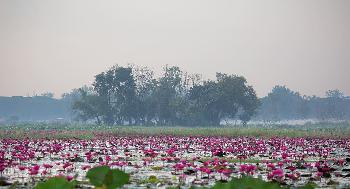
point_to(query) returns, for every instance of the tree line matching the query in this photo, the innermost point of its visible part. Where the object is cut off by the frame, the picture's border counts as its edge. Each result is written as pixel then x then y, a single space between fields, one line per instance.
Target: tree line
pixel 35 108
pixel 284 104
pixel 133 95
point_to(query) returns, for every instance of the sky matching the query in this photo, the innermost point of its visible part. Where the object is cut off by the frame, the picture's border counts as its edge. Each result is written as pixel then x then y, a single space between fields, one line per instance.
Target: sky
pixel 55 46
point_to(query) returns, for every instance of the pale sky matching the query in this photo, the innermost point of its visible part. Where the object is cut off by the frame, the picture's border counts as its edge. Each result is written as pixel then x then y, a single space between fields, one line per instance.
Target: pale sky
pixel 60 45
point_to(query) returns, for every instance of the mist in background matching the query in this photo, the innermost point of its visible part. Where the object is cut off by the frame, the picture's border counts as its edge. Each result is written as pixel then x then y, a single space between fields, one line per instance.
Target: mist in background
pixel 56 46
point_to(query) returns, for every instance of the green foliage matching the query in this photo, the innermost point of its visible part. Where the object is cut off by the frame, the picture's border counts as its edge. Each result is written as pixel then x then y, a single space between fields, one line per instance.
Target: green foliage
pixel 3 181
pixel 14 185
pixel 107 178
pixel 227 97
pixel 246 182
pixel 97 175
pixel 89 131
pixel 56 183
pixel 309 185
pixel 132 95
pixel 100 177
pixel 89 106
pixel 153 179
pixel 283 103
pixel 156 168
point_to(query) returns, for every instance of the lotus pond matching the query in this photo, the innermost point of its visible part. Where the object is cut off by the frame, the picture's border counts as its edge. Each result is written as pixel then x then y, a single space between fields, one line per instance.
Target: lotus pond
pixel 163 161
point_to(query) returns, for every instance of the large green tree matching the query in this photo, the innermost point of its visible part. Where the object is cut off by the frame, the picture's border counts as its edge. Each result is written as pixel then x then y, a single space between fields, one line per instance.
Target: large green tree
pixel 133 95
pixel 229 97
pixel 167 94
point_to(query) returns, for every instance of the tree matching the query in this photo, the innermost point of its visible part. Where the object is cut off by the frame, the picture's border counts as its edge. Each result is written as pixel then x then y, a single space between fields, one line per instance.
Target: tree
pixel 335 101
pixel 226 98
pixel 132 95
pixel 104 88
pixel 282 103
pixel 113 98
pixel 117 91
pixel 126 93
pixel 236 97
pixel 47 94
pixel 167 92
pixel 336 94
pixel 204 100
pixel 88 106
pixel 145 103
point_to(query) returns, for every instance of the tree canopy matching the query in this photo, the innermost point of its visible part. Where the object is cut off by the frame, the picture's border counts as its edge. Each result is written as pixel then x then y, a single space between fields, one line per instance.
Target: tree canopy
pixel 132 95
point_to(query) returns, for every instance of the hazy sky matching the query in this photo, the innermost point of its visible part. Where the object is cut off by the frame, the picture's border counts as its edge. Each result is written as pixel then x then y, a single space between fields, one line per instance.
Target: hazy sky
pixel 60 45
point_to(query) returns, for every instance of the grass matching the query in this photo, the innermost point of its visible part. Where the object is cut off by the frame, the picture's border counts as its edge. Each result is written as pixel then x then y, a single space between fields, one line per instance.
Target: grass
pixel 86 131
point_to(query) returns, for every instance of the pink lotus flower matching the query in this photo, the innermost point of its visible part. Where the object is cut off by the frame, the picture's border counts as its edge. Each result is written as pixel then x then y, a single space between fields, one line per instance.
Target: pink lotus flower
pixel 179 166
pixel 44 172
pixel 36 167
pixel 69 177
pixel 2 168
pixel 22 168
pixel 108 158
pixel 292 168
pixel 47 166
pixel 292 176
pixel 280 164
pixel 277 173
pixel 319 174
pixel 85 167
pixel 248 169
pixel 205 170
pixel 227 172
pixel 34 170
pixel 67 164
pixel 271 166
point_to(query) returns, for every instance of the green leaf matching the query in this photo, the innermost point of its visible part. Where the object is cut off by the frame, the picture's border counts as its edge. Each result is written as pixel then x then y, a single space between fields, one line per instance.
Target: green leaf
pixel 56 183
pixel 246 183
pixel 308 186
pixel 106 177
pixel 97 175
pixel 116 178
